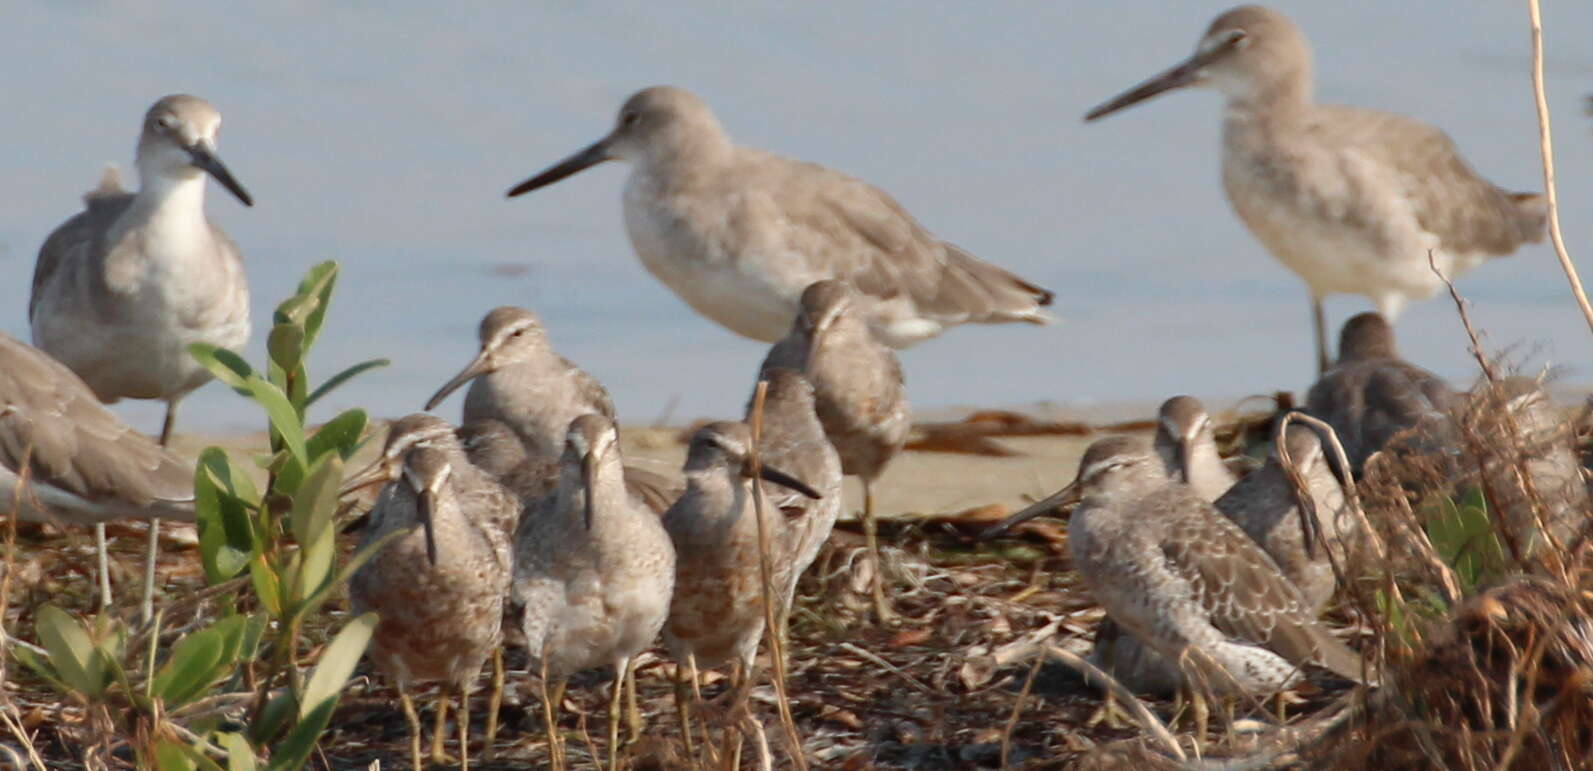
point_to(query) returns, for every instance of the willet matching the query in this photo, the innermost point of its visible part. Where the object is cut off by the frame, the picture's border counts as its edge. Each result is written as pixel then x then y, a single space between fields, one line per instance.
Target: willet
pixel 121 289
pixel 593 572
pixel 518 380
pixel 859 391
pixel 738 233
pixel 1371 395
pixel 1352 200
pixel 439 588
pixel 1187 444
pixel 1266 507
pixel 1181 577
pixel 84 465
pixel 716 615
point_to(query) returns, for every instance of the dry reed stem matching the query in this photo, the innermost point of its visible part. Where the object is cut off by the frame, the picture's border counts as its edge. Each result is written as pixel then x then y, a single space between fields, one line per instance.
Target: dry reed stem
pixel 771 629
pixel 1546 145
pixel 1017 710
pixel 1142 714
pixel 8 710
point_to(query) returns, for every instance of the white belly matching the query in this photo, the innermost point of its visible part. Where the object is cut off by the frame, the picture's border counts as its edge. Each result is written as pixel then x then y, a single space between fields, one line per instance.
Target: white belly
pixel 730 283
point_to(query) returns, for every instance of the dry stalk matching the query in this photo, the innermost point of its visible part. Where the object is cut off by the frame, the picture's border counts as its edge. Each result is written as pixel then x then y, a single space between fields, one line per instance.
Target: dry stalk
pixel 1017 710
pixel 1352 495
pixel 771 629
pixel 1546 145
pixel 1142 714
pixel 889 667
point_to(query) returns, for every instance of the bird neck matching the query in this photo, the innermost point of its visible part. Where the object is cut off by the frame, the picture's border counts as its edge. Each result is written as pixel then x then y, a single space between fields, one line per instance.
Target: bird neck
pixel 171 205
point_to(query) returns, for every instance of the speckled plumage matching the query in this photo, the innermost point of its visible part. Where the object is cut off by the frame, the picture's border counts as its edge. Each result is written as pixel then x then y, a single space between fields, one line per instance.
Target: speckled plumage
pixel 438 621
pixel 1372 395
pixel 794 442
pixel 738 233
pixel 1350 199
pixel 1264 506
pixel 86 465
pixel 1181 577
pixel 592 593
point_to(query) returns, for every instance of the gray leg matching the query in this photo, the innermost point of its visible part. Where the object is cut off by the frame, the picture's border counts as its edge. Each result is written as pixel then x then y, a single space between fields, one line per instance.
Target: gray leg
pixel 105 565
pixel 146 611
pixel 1319 322
pixel 882 607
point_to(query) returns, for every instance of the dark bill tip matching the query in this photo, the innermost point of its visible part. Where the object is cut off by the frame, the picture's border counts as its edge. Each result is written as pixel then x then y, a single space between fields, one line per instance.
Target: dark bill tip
pixel 594 154
pixel 212 165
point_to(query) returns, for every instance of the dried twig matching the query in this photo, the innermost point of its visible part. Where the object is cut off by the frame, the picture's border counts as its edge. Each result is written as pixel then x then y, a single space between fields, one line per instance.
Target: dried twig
pixel 771 599
pixel 887 666
pixel 1546 145
pixel 1141 713
pixel 1017 710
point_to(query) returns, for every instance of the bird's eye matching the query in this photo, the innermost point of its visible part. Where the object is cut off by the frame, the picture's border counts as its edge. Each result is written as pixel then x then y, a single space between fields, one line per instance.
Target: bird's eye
pixel 1238 38
pixel 166 122
pixel 630 118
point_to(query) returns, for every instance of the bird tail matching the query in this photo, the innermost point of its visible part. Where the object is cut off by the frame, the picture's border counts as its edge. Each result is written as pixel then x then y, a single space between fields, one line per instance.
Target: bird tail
pixel 1532 215
pixel 987 294
pixel 109 186
pixel 1339 658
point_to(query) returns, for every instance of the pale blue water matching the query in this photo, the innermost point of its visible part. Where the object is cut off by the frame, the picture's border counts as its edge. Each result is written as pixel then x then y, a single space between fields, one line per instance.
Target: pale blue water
pixel 384 135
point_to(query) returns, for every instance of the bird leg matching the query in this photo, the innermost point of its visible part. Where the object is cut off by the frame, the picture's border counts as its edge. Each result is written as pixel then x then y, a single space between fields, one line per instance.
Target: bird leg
pixel 493 703
pixel 683 707
pixel 550 723
pixel 882 607
pixel 414 728
pixel 105 565
pixel 614 712
pixel 152 550
pixel 1319 322
pixel 464 728
pixel 439 729
pixel 633 713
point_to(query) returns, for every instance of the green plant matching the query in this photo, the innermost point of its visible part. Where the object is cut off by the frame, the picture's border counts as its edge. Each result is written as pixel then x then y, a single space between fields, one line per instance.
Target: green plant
pixel 284 539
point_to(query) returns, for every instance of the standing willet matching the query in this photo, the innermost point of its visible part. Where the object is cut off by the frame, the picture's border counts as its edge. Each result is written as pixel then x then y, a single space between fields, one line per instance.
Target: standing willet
pixel 121 289
pixel 593 571
pixel 859 391
pixel 1352 200
pixel 1265 506
pixel 717 612
pixel 518 380
pixel 1371 395
pixel 440 588
pixel 1187 445
pixel 84 465
pixel 1183 578
pixel 738 233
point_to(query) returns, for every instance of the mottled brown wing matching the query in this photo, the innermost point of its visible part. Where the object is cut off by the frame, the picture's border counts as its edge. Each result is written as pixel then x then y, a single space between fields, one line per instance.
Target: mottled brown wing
pixel 1245 593
pixel 654 490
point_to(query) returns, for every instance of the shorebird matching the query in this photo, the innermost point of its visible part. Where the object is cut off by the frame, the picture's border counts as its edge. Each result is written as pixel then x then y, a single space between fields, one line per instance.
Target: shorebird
pixel 496 449
pixel 1525 451
pixel 859 391
pixel 518 380
pixel 593 572
pixel 716 615
pixel 1266 507
pixel 738 233
pixel 1352 200
pixel 1184 579
pixel 121 289
pixel 1187 445
pixel 440 587
pixel 1371 395
pixel 83 464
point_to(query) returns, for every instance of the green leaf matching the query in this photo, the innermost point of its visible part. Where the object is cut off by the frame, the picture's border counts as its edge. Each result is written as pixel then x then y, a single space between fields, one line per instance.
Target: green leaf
pixel 227 537
pixel 341 434
pixel 322 690
pixel 267 585
pixel 316 500
pixel 227 366
pixel 72 651
pixel 320 281
pixel 41 667
pixel 171 756
pixel 343 377
pixel 284 419
pixel 355 562
pixel 240 755
pixel 274 718
pixel 197 660
pixel 285 346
